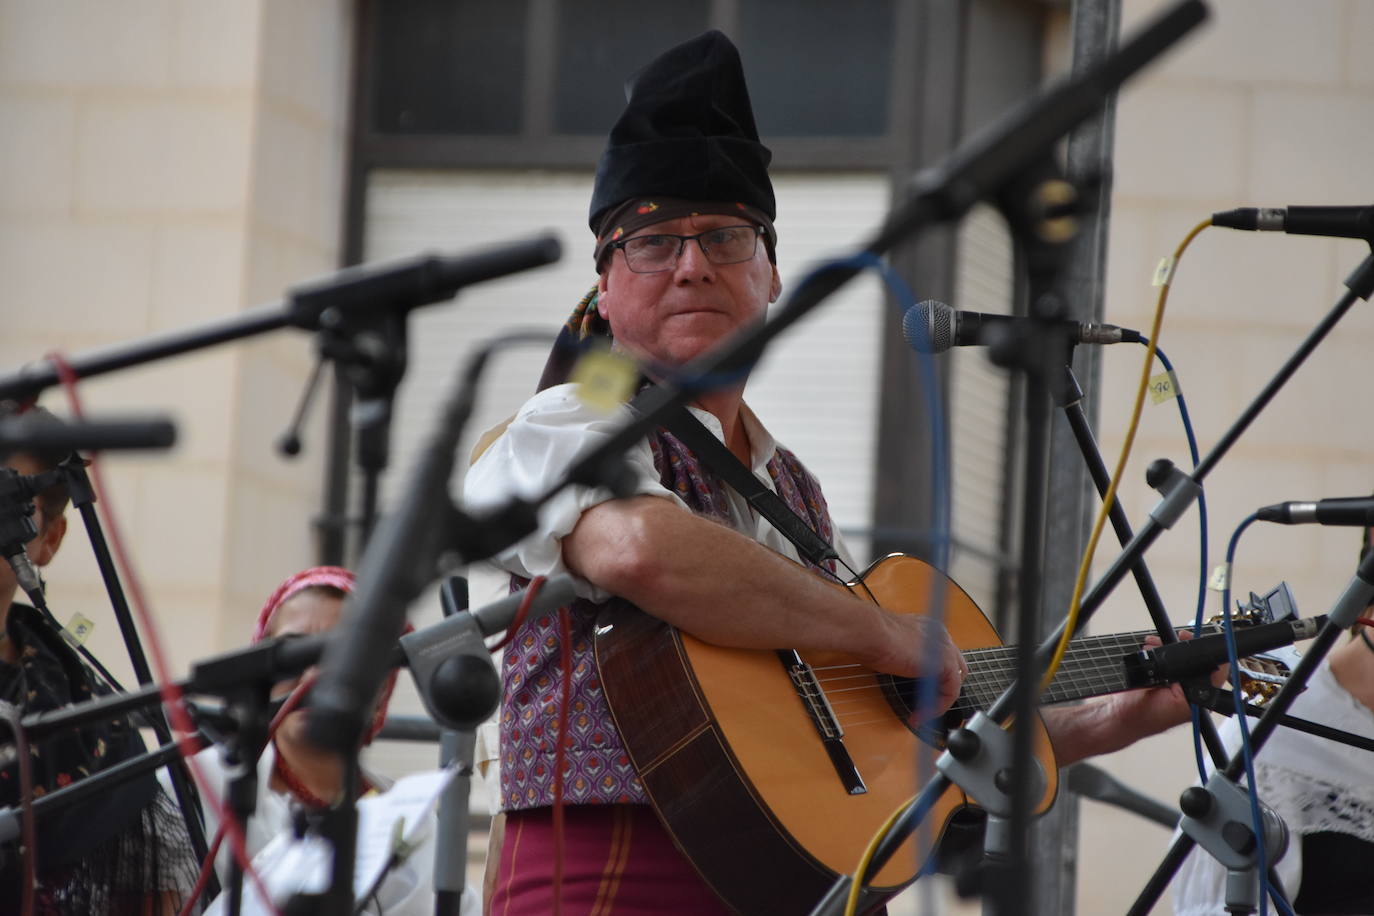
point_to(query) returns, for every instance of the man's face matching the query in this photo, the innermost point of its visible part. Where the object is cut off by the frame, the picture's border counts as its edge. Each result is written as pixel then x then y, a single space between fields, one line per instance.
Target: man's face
pixel 676 315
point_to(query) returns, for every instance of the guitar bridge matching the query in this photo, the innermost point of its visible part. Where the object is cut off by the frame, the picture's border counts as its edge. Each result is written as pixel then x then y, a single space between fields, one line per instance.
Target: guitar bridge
pixel 822 716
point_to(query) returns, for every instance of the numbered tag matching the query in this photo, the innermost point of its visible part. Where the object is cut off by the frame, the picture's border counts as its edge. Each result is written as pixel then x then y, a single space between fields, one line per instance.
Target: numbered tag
pixel 1221 578
pixel 1163 387
pixel 604 379
pixel 77 630
pixel 1164 271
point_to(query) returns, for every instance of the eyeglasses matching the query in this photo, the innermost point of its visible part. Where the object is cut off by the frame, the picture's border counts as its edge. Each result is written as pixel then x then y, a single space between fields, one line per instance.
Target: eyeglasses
pixel 649 254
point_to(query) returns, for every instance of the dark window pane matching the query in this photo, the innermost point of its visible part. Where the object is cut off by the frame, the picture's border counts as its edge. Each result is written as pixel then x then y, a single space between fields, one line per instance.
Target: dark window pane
pixel 449 68
pixel 601 42
pixel 817 67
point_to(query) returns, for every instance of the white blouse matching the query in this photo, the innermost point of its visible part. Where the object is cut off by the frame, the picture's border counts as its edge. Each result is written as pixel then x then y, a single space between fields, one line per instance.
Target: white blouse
pixel 1315 784
pixel 551 430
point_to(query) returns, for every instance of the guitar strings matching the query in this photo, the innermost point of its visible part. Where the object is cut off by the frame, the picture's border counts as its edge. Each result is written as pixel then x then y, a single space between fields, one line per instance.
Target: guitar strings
pixel 992 672
pixel 1093 666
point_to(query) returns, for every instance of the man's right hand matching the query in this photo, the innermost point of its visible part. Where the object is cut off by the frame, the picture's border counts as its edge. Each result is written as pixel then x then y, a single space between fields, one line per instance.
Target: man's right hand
pixel 915 643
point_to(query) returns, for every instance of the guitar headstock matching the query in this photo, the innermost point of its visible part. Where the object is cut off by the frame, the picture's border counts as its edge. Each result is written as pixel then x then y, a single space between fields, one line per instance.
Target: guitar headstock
pixel 1263 675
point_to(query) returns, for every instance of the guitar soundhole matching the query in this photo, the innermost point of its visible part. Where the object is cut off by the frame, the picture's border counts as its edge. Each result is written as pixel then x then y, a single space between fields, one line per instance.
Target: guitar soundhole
pixel 904 694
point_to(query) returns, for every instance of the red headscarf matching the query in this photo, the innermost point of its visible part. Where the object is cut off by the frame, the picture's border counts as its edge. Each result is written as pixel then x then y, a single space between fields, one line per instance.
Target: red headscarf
pixel 323 577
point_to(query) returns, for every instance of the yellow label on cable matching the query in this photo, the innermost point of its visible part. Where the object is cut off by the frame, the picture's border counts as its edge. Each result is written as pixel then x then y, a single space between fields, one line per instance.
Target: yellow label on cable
pixel 1221 578
pixel 77 630
pixel 1164 272
pixel 1163 387
pixel 604 379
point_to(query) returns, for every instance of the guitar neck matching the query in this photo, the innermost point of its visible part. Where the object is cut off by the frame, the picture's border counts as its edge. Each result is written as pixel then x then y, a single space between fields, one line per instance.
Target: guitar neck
pixel 1092 666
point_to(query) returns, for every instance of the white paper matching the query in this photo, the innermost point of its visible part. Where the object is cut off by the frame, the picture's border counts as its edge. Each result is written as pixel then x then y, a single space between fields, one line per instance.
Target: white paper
pixel 288 866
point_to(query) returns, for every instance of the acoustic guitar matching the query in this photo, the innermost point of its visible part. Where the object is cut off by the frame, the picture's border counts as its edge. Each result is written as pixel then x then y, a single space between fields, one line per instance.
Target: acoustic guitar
pixel 773 770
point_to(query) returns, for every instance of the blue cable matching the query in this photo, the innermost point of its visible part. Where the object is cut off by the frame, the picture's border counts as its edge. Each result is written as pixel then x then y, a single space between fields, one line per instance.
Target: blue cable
pixel 1202 547
pixel 1265 891
pixel 1233 657
pixel 939 475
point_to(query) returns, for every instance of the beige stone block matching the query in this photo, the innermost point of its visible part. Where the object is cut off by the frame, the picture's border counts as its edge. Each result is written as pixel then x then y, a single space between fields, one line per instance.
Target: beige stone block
pixel 187 620
pixel 215 44
pixel 1347 476
pixel 1181 142
pixel 268 535
pixel 1253 42
pixel 1117 850
pixel 157 156
pixel 197 273
pixel 182 519
pixel 1312 414
pixel 1131 257
pixel 1231 279
pixel 268 394
pixel 37 150
pixel 84 43
pixel 73 279
pixel 1358 65
pixel 1209 390
pixel 290 163
pixel 195 390
pixel 304 52
pixel 1311 147
pixel 277 263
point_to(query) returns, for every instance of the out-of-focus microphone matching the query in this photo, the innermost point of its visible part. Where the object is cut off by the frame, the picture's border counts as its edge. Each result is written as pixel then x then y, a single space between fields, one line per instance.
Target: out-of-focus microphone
pixel 1337 222
pixel 26 434
pixel 452 667
pixel 1201 655
pixel 932 326
pixel 1357 511
pixel 17 526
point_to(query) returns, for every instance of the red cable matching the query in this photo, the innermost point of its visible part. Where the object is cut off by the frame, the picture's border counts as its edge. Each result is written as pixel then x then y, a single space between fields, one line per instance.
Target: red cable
pixel 203 878
pixel 29 837
pixel 522 612
pixel 171 693
pixel 287 707
pixel 565 657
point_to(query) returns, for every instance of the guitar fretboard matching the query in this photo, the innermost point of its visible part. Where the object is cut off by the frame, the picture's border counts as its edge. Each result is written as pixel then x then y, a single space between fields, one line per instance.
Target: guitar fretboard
pixel 1092 666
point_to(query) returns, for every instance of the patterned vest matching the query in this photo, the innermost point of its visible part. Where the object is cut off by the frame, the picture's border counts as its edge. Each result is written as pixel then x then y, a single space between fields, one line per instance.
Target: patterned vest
pixel 597 769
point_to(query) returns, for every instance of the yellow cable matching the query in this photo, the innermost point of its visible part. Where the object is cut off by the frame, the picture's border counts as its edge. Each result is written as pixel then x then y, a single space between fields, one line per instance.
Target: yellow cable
pixel 1110 496
pixel 852 902
pixel 851 905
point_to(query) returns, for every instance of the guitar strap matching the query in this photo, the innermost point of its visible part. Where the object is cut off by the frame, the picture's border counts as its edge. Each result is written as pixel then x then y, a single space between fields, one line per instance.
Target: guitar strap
pixel 713 453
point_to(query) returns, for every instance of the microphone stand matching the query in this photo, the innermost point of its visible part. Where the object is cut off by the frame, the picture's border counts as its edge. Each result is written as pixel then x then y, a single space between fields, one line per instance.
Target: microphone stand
pixel 1357 596
pixel 1360 285
pixel 243 677
pixel 399 560
pixel 92 786
pixel 1068 394
pixel 73 469
pixel 1178 491
pixel 368 289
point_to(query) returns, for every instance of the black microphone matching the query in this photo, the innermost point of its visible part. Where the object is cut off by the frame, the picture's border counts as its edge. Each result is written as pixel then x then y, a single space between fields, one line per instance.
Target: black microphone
pixel 17 526
pixel 23 434
pixel 1199 656
pixel 931 326
pixel 1357 511
pixel 1337 222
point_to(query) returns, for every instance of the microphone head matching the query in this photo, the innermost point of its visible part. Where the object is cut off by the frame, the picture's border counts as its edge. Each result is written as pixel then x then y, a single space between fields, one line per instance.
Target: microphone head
pixel 928 326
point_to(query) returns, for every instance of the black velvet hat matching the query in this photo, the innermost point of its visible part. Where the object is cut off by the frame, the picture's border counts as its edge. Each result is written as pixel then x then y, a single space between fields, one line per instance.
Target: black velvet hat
pixel 688 133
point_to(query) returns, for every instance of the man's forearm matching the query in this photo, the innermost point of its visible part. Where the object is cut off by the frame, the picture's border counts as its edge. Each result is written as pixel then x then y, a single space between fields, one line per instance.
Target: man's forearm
pixel 715 583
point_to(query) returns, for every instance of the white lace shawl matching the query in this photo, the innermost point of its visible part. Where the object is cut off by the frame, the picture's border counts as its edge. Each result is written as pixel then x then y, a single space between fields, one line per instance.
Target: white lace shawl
pixel 1315 784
